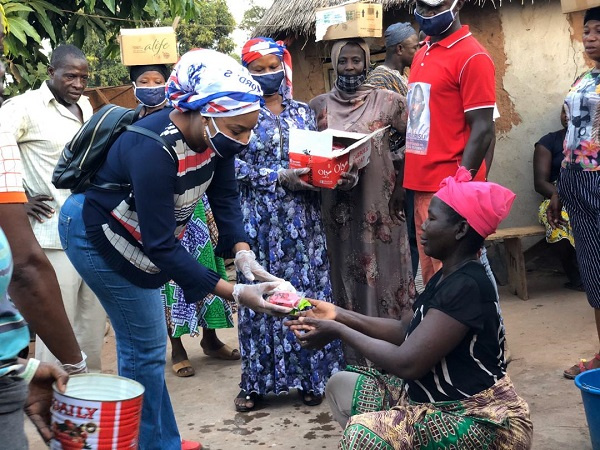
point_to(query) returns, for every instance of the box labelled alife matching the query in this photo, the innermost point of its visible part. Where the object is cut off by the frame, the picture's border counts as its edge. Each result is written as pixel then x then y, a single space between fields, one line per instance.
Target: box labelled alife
pixel 568 6
pixel 329 153
pixel 348 20
pixel 140 46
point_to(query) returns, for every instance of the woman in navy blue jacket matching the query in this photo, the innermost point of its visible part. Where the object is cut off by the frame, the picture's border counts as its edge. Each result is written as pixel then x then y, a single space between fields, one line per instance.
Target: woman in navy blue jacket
pixel 125 243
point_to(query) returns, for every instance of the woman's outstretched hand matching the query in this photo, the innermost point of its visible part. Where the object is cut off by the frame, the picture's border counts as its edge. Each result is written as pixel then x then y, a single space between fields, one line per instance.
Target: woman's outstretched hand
pixel 348 179
pixel 320 310
pixel 314 333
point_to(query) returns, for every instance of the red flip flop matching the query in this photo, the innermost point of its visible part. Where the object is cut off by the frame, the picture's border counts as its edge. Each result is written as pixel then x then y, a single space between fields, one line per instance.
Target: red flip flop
pixel 190 445
pixel 582 366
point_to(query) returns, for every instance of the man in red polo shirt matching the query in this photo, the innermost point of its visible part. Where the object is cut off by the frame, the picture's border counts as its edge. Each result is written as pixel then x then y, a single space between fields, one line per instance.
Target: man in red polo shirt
pixel 451 101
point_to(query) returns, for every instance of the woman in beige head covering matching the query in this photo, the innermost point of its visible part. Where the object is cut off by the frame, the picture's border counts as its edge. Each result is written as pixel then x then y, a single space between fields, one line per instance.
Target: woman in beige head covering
pixel 366 239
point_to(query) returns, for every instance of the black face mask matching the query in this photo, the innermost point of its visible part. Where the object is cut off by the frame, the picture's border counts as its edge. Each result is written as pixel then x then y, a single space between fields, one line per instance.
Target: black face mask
pixel 350 83
pixel 225 146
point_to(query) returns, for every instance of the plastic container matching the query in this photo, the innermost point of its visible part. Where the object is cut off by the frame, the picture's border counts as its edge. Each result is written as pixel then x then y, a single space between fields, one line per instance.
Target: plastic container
pixel 97 412
pixel 589 384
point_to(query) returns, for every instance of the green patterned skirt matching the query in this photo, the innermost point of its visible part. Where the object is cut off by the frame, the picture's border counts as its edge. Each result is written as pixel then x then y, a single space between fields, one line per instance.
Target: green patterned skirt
pixel 495 419
pixel 212 312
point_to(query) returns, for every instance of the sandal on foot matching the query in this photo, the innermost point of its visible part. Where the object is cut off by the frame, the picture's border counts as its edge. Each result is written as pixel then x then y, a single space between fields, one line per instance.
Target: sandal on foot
pixel 310 399
pixel 582 366
pixel 251 398
pixel 224 352
pixel 190 445
pixel 184 369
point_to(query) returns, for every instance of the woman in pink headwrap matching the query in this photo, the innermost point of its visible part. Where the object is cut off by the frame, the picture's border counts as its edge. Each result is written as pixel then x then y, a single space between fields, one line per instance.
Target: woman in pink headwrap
pixel 443 382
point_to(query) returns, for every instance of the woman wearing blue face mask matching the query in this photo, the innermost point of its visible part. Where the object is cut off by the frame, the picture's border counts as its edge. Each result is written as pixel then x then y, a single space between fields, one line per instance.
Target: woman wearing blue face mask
pixel 282 218
pixel 126 243
pixel 149 86
pixel 212 312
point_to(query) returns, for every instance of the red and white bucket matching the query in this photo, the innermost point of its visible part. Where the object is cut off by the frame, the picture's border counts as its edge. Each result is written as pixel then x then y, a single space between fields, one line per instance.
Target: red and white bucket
pixel 97 412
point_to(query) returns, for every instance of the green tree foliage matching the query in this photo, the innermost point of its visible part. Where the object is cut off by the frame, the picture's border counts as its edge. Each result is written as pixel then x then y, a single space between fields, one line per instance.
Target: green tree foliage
pixel 211 29
pixel 251 18
pixel 29 22
pixel 105 70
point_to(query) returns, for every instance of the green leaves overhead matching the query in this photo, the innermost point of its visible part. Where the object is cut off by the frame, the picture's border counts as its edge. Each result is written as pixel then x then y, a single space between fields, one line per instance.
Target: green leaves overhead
pixel 30 22
pixel 211 28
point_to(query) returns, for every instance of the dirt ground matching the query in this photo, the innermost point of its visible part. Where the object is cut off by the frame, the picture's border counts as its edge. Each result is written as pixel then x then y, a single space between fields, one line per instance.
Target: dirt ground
pixel 546 334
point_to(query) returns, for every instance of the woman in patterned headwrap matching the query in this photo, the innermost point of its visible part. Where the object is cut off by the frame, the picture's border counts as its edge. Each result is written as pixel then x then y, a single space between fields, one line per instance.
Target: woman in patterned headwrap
pixel 200 238
pixel 283 221
pixel 125 243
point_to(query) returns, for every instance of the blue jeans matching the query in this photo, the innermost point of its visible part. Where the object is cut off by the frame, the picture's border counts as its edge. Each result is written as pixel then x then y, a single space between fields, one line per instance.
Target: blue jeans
pixel 138 318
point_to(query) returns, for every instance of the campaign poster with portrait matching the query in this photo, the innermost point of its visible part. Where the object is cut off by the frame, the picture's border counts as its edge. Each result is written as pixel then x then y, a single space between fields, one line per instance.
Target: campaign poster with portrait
pixel 418 126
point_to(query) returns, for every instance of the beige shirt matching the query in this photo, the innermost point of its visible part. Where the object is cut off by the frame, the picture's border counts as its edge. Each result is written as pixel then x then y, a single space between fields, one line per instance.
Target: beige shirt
pixel 41 127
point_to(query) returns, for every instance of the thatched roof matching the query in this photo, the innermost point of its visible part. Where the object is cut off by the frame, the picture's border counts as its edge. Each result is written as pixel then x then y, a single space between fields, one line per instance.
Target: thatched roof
pixel 298 16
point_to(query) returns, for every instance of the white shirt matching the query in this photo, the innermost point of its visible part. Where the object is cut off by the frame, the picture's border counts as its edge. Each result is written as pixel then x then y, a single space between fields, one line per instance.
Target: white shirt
pixel 40 127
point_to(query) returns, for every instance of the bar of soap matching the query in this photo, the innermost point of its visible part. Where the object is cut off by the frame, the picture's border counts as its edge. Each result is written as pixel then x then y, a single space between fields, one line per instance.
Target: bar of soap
pixel 286 299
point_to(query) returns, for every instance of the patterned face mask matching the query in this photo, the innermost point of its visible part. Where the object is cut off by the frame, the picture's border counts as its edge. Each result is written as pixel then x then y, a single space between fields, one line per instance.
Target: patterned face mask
pixel 350 83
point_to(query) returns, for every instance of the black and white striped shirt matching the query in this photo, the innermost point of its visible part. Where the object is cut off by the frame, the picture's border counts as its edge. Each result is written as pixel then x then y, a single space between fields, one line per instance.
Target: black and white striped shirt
pixel 477 363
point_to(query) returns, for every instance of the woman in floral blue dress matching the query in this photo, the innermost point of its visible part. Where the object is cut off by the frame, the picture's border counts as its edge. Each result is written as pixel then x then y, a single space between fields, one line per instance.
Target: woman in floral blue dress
pixel 283 221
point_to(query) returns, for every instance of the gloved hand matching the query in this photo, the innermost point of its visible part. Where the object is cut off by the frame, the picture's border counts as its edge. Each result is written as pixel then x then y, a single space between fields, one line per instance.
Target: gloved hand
pixel 348 179
pixel 245 262
pixel 251 296
pixel 290 179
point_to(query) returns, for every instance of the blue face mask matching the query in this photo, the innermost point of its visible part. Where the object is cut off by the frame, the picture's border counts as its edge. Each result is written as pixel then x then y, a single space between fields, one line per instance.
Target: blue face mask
pixel 150 96
pixel 269 82
pixel 225 146
pixel 438 24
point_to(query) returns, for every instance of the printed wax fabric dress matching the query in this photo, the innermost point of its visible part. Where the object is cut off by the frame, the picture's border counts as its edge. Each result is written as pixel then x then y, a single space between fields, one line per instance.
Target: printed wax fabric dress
pixel 285 232
pixel 213 312
pixel 369 253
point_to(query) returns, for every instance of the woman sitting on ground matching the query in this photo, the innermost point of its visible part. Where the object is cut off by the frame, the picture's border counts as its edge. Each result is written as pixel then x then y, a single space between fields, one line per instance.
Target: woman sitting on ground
pixel 443 380
pixel 547 157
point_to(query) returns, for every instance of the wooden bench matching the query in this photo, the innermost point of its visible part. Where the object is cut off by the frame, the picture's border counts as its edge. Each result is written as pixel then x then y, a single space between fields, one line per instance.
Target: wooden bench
pixel 515 261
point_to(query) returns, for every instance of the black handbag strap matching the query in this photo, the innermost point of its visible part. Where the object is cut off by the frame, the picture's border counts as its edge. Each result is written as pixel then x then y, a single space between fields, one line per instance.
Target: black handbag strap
pixel 149 134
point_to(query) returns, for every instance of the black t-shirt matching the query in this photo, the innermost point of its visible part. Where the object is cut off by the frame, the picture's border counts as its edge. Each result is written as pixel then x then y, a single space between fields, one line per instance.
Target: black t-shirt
pixel 554 142
pixel 477 363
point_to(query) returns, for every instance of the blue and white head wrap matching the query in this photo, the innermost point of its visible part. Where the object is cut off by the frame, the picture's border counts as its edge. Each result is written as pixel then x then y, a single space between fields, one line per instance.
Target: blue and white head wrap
pixel 214 84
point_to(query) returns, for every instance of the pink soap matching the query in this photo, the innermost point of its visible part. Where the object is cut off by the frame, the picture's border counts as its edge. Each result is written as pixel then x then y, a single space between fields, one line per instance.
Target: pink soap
pixel 287 299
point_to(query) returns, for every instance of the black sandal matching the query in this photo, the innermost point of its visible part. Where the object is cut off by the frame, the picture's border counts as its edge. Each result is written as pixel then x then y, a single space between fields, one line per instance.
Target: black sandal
pixel 248 397
pixel 310 399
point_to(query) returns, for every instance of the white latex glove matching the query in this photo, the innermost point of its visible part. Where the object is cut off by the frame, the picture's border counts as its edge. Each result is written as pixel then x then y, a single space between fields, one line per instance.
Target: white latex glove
pixel 252 296
pixel 290 179
pixel 245 262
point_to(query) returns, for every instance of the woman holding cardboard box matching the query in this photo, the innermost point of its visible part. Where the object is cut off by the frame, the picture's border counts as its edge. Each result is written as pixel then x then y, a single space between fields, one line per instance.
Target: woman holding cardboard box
pixel 367 242
pixel 282 219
